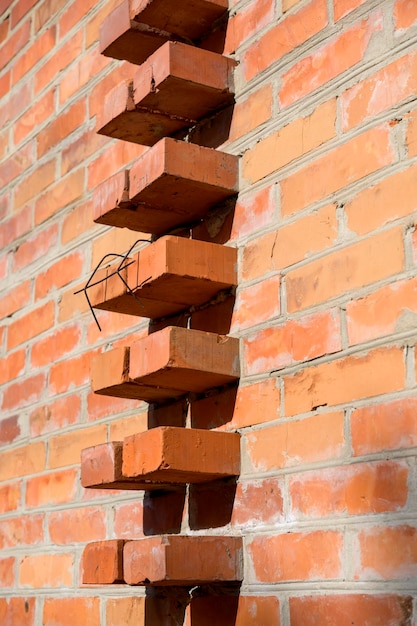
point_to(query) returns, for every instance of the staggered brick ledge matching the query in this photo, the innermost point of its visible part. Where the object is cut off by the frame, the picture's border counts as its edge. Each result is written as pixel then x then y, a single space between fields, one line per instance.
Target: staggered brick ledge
pixel 164 560
pixel 166 277
pixel 161 456
pixel 173 183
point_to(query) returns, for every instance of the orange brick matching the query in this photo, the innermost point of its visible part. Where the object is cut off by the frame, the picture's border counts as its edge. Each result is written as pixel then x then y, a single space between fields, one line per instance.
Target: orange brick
pixel 129 426
pixel 379 92
pixel 329 61
pixel 59 274
pixel 257 303
pixel 18 225
pixel 62 126
pixel 344 380
pixel 67 611
pixel 102 562
pixel 251 112
pixel 382 203
pixel 373 610
pixel 55 345
pixel 55 415
pixel 7 572
pixel 378 560
pixel 258 502
pixel 65 192
pixel 290 243
pixel 46 570
pixel 113 159
pixel 12 365
pixel 63 56
pixel 37 114
pixel 22 461
pixel 128 519
pixel 340 167
pixel 20 10
pixel 247 22
pixel 17 162
pixel 391 309
pixel 412 133
pixel 296 340
pixel 309 440
pixel 79 148
pixel 386 426
pixel 10 497
pixel 405 14
pixel 77 222
pixel 239 611
pixel 40 48
pixel 15 43
pixel 77 525
pixel 30 325
pixel 66 449
pixel 73 15
pixel 15 611
pixel 17 531
pixel 284 37
pixel 69 373
pixel 360 264
pixel 290 142
pixel 297 556
pixel 343 7
pixel 36 247
pixel 52 488
pixel 24 392
pixel 354 490
pixel 34 183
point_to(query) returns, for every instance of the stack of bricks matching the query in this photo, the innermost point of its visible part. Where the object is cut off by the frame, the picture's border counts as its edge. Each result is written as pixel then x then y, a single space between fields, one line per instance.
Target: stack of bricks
pixel 325 122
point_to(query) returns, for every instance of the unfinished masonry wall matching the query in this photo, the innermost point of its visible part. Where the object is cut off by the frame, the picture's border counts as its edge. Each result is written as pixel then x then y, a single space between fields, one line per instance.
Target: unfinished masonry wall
pixel 326 312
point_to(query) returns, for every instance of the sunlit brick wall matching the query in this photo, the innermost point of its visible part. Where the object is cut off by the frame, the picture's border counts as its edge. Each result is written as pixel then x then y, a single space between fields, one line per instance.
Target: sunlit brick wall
pixel 326 310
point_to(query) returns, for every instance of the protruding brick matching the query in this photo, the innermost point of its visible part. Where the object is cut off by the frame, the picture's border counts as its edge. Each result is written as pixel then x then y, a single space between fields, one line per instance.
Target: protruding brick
pixel 103 562
pixel 173 183
pixel 166 277
pixel 182 560
pixel 167 364
pixel 136 28
pixel 161 455
pixel 171 91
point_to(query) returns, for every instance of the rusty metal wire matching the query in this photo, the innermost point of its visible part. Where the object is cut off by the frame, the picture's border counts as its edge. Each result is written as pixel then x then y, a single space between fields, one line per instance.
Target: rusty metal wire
pixel 124 263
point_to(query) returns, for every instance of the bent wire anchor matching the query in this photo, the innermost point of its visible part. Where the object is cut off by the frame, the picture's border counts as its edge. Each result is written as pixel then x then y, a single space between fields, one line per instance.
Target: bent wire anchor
pixel 124 263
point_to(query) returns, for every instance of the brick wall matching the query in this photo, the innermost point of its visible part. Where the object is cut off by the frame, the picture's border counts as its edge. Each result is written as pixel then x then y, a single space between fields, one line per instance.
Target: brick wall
pixel 326 311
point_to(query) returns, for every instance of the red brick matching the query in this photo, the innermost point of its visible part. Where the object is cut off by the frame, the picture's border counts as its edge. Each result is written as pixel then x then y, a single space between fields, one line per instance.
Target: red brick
pixel 384 426
pixel 79 148
pixel 257 303
pixel 7 572
pixel 290 243
pixel 106 406
pixel 89 65
pixel 30 325
pixel 67 611
pixel 56 345
pixel 15 227
pixel 34 118
pixel 354 490
pixel 24 392
pixel 45 11
pixel 255 404
pixel 20 10
pixel 59 274
pixel 14 43
pixel 34 183
pixel 290 142
pixel 56 415
pixel 284 37
pixel 36 247
pixel 247 22
pixel 77 525
pixel 12 365
pixel 239 611
pixel 344 380
pixel 288 444
pixel 102 562
pixel 15 611
pixel 58 196
pixel 389 310
pixel 128 520
pixel 297 340
pixel 42 45
pixel 347 609
pixel 18 531
pixel 66 449
pixel 253 212
pixel 61 127
pixel 9 429
pixel 329 61
pixel 10 497
pixel 337 169
pixel 251 112
pixel 296 556
pixel 405 14
pixel 78 222
pixel 343 7
pixel 17 162
pixel 340 272
pixel 52 488
pixel 73 15
pixel 387 553
pixel 22 461
pixel 46 570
